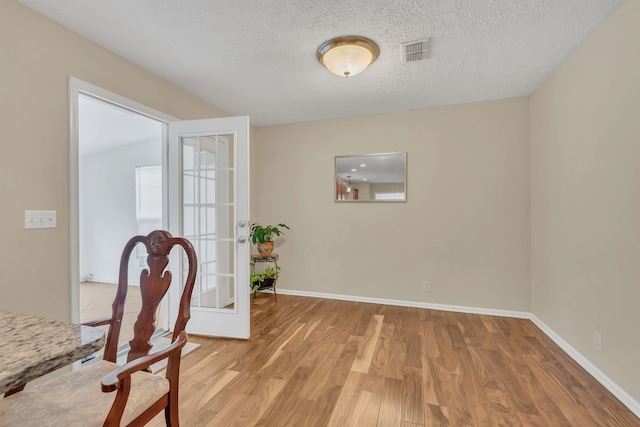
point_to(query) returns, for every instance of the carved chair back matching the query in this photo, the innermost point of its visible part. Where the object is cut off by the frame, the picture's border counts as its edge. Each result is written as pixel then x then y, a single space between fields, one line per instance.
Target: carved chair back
pixel 154 284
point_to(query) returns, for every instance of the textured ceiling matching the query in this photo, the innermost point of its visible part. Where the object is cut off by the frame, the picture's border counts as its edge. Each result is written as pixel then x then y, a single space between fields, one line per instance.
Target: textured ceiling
pixel 257 57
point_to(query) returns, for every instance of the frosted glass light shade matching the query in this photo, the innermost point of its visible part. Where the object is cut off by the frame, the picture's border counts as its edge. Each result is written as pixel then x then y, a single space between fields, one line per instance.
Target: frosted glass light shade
pixel 347 56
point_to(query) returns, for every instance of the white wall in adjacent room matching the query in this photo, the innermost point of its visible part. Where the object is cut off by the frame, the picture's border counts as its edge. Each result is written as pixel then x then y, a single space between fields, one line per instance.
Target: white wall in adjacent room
pixel 108 207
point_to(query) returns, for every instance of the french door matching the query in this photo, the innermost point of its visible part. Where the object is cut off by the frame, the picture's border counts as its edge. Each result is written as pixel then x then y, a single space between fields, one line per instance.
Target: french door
pixel 208 182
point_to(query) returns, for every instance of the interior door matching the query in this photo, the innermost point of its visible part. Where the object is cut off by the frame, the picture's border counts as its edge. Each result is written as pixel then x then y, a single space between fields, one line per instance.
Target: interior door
pixel 208 180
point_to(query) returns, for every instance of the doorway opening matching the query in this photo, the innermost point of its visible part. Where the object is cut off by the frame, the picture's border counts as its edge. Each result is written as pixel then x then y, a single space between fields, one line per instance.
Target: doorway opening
pixel 224 250
pixel 120 195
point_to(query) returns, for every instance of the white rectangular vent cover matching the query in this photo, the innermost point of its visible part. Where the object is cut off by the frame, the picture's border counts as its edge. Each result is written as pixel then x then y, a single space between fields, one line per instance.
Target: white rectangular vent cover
pixel 415 51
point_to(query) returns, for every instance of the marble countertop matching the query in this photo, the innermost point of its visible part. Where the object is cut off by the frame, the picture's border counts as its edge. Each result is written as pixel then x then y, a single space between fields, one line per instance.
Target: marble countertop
pixel 32 346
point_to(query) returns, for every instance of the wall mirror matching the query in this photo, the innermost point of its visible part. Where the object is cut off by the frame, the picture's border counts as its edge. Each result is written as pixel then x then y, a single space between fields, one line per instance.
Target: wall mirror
pixel 371 178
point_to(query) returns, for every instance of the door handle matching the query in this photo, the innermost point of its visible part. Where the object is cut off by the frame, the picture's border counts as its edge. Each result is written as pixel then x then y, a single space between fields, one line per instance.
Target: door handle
pixel 242 239
pixel 242 224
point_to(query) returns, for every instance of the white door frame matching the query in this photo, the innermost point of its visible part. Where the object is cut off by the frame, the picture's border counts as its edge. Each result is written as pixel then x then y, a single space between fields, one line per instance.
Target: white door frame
pixel 206 320
pixel 77 87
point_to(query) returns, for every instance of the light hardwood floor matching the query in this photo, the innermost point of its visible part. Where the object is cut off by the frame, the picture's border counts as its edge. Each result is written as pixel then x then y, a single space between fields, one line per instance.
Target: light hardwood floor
pixel 315 362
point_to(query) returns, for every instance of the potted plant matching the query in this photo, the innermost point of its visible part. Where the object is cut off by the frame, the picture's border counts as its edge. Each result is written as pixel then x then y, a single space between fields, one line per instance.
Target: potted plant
pixel 264 279
pixel 262 236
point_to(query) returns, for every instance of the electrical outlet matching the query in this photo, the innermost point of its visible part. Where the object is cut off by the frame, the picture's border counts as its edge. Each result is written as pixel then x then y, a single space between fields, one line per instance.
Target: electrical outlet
pixel 425 286
pixel 597 340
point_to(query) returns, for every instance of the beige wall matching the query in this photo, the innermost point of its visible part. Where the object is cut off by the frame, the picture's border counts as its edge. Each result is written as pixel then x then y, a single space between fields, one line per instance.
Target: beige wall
pixel 37 56
pixel 465 226
pixel 585 155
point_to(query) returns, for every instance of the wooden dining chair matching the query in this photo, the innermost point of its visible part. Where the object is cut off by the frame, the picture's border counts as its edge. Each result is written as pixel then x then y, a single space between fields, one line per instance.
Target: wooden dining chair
pixel 105 393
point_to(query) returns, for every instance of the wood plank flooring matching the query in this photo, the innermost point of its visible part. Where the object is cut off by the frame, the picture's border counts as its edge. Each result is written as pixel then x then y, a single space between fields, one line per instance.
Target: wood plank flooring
pixel 316 362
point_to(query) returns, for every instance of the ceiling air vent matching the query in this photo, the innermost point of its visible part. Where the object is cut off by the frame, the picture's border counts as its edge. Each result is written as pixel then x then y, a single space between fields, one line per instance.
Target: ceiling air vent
pixel 415 51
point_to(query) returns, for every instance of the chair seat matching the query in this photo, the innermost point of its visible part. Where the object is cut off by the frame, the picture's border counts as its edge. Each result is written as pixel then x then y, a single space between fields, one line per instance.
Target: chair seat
pixel 76 399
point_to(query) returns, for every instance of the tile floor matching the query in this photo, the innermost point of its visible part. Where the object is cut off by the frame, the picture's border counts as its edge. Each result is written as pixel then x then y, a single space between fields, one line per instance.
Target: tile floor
pixel 95 302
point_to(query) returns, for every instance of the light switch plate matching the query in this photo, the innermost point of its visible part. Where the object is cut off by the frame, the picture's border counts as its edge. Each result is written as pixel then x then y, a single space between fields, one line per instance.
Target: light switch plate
pixel 40 219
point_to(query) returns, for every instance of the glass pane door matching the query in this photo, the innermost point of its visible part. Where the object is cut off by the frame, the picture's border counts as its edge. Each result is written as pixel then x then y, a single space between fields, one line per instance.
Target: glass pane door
pixel 208 216
pixel 208 181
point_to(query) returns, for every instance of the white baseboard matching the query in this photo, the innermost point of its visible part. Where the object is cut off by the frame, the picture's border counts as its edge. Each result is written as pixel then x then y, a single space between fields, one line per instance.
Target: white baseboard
pixel 416 304
pixel 608 383
pixel 111 280
pixel 102 279
pixel 601 377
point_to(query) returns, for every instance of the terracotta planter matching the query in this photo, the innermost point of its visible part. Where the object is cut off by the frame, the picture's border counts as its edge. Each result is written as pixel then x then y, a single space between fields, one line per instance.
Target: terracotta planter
pixel 265 248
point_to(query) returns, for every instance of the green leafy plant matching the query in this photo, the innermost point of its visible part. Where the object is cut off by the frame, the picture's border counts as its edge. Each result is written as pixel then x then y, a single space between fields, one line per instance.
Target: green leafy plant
pixel 258 279
pixel 263 234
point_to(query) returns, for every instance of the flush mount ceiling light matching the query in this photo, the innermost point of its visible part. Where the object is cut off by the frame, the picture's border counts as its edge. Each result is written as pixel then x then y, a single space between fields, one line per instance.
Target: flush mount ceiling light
pixel 347 56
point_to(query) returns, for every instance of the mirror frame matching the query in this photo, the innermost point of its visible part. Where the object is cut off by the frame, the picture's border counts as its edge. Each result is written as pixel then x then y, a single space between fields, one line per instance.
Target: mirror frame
pixel 336 177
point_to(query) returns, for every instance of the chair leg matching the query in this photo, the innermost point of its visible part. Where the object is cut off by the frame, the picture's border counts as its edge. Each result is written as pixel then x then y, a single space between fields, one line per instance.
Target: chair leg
pixel 171 412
